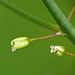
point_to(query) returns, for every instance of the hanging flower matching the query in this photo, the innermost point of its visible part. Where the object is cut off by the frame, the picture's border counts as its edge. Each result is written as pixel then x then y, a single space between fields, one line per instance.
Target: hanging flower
pixel 19 42
pixel 59 50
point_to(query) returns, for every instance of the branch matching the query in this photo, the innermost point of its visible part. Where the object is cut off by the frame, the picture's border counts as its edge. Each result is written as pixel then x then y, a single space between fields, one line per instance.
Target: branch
pixel 72 11
pixel 60 18
pixel 40 38
pixel 29 16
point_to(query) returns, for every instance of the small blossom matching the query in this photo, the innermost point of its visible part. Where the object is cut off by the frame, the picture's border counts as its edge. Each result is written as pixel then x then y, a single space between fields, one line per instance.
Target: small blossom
pixel 19 42
pixel 59 50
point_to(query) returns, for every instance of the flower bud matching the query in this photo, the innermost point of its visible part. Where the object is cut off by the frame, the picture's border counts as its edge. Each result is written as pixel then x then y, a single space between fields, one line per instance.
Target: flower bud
pixel 19 42
pixel 59 50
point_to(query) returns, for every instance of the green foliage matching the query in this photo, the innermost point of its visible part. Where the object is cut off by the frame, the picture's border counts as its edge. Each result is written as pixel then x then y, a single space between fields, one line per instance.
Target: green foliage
pixel 35 59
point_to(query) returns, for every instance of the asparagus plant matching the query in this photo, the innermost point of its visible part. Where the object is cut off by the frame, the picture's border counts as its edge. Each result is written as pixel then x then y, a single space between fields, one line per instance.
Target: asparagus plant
pixel 64 27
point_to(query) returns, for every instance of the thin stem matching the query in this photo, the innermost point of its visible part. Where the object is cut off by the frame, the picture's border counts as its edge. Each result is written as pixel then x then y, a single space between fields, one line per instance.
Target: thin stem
pixel 40 38
pixel 70 54
pixel 60 18
pixel 73 9
pixel 30 17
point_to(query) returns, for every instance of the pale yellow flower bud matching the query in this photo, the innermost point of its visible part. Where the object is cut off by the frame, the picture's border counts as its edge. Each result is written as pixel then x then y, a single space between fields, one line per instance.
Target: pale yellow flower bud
pixel 19 42
pixel 59 50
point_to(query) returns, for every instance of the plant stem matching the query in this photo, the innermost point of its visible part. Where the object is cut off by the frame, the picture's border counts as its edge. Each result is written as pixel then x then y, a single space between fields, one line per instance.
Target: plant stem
pixel 60 18
pixel 40 38
pixel 29 16
pixel 70 54
pixel 73 9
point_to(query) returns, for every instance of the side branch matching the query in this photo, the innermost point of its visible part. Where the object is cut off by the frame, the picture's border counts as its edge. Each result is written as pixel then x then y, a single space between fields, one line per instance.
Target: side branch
pixel 73 9
pixel 29 16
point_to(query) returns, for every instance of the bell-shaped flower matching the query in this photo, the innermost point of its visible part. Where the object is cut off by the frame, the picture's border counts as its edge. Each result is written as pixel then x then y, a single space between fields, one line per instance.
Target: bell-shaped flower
pixel 59 50
pixel 19 42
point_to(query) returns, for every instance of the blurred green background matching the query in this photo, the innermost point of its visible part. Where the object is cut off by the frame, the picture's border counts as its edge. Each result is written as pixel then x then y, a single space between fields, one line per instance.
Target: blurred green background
pixel 36 58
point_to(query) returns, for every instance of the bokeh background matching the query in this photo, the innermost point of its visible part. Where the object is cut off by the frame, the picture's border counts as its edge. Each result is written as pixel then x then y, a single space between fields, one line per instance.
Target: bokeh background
pixel 36 58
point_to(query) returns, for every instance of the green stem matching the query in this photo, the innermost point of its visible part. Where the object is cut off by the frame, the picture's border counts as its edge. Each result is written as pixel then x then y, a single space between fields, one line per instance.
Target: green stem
pixel 60 18
pixel 29 16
